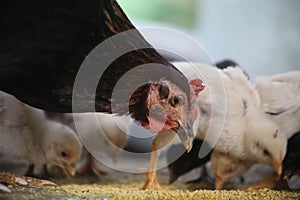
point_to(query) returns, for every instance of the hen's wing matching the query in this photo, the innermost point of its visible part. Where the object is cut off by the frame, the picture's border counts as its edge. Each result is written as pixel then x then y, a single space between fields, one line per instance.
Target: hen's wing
pixel 43 44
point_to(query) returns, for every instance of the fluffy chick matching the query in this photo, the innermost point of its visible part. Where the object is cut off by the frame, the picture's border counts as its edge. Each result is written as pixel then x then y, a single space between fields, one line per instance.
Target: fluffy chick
pixel 187 161
pixel 102 134
pixel 231 116
pixel 280 96
pixel 28 137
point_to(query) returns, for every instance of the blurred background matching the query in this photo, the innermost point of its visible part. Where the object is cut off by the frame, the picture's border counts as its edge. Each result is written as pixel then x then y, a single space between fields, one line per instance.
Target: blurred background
pixel 262 36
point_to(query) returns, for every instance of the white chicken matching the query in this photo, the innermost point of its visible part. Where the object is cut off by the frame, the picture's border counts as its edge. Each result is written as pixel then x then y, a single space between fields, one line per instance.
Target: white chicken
pixel 28 137
pixel 280 95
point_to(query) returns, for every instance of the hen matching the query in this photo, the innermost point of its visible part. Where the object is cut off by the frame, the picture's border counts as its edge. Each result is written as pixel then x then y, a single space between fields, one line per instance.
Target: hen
pixel 44 43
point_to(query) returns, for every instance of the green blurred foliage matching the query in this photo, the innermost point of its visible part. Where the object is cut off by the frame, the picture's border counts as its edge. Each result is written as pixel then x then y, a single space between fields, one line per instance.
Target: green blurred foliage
pixel 181 13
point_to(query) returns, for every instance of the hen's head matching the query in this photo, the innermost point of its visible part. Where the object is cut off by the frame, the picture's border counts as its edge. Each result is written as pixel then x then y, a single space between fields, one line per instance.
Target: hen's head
pixel 167 107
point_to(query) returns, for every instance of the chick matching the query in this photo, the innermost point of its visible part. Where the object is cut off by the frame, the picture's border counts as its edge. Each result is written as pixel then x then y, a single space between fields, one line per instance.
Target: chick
pixel 280 95
pixel 103 135
pixel 187 161
pixel 231 116
pixel 28 137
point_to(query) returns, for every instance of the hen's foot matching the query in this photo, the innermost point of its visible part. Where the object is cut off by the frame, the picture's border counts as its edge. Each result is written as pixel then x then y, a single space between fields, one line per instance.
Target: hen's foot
pixel 151 181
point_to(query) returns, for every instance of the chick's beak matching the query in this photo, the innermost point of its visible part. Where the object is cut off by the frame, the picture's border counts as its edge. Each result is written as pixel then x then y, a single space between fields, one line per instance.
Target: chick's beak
pixel 185 133
pixel 218 184
pixel 277 166
pixel 70 169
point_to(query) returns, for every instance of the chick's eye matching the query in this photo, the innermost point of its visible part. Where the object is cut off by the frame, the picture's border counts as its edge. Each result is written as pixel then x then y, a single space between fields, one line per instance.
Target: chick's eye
pixel 176 100
pixel 266 152
pixel 63 154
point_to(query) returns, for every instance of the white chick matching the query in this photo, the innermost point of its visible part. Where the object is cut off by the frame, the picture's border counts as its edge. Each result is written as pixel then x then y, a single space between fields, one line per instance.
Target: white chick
pixel 103 135
pixel 231 118
pixel 28 137
pixel 280 95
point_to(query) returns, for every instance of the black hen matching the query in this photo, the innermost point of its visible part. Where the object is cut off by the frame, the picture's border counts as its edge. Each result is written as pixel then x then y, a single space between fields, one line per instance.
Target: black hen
pixel 43 44
pixel 187 161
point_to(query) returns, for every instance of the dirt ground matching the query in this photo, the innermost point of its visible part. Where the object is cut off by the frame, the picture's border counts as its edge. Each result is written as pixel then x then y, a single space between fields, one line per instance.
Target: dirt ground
pixel 120 185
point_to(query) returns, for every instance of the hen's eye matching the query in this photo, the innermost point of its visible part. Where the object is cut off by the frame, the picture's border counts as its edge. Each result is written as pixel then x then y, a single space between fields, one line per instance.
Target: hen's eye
pixel 163 91
pixel 176 100
pixel 63 154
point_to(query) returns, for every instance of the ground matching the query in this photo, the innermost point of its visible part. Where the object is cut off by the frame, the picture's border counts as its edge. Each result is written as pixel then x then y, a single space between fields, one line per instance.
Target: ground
pixel 120 185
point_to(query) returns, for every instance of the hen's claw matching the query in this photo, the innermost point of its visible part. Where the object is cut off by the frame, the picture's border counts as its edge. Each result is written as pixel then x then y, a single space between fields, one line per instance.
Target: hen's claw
pixel 151 180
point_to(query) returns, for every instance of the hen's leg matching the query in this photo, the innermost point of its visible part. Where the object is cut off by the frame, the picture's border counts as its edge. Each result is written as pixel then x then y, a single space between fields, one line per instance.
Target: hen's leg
pixel 160 141
pixel 151 177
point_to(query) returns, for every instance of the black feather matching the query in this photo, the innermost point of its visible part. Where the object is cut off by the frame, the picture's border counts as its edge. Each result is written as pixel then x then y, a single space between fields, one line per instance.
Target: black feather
pixel 291 162
pixel 43 44
pixel 187 161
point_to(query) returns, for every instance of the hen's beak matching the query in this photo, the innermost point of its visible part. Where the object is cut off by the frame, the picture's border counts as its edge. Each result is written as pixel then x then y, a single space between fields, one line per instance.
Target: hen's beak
pixel 185 133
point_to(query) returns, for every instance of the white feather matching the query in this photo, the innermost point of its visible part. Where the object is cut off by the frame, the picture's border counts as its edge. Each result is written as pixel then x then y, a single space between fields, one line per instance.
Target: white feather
pixel 231 118
pixel 28 137
pixel 281 96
